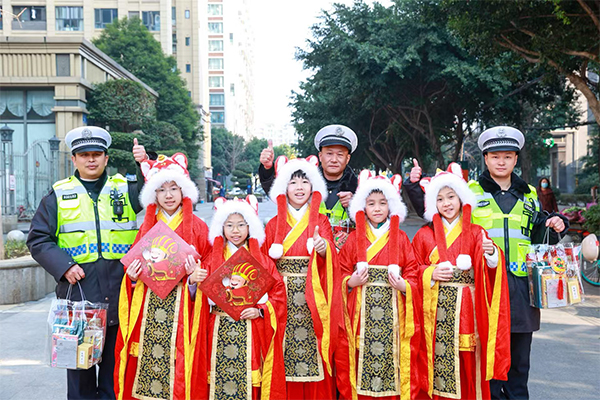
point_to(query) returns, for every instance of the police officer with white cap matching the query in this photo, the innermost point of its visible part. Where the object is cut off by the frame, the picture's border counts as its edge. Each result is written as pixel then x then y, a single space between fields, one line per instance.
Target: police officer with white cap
pixel 79 233
pixel 508 208
pixel 335 144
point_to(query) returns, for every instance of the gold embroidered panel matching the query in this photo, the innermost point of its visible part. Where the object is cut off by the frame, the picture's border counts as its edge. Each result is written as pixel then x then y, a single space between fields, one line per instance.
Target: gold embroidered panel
pixel 378 373
pixel 231 364
pixel 446 373
pixel 303 362
pixel 156 364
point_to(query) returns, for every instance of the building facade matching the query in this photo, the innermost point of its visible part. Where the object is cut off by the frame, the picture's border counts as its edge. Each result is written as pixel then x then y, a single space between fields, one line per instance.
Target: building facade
pixel 44 83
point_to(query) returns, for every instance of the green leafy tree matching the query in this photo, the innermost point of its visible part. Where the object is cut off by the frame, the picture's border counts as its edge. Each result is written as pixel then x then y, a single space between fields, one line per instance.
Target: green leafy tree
pixel 252 152
pixel 285 150
pixel 121 104
pixel 119 154
pixel 167 136
pixel 130 44
pixel 242 175
pixel 227 151
pixel 561 35
pixel 397 77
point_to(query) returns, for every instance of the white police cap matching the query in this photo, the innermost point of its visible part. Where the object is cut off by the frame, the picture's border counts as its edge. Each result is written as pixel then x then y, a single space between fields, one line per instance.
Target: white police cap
pixel 88 138
pixel 501 138
pixel 336 135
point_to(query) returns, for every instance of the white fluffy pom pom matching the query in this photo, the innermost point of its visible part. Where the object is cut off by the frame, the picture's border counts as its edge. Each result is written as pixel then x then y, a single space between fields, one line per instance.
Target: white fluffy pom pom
pixel 394 269
pixel 276 251
pixel 361 265
pixel 463 262
pixel 310 245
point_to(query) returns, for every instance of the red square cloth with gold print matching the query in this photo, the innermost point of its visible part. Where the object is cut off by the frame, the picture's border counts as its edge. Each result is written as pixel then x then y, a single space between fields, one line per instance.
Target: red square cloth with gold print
pixel 238 284
pixel 162 253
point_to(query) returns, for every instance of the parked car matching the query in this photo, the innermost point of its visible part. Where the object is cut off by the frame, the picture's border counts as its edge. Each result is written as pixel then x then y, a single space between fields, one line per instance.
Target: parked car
pixel 260 194
pixel 236 192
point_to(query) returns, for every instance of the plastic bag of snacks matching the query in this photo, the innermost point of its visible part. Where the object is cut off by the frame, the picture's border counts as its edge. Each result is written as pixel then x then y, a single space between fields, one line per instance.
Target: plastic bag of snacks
pixel 554 275
pixel 76 332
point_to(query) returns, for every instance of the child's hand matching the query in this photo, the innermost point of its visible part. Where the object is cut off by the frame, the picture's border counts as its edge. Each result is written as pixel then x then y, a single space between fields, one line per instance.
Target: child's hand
pixel 397 283
pixel 319 243
pixel 134 270
pixel 198 275
pixel 487 244
pixel 250 313
pixel 191 264
pixel 442 273
pixel 358 278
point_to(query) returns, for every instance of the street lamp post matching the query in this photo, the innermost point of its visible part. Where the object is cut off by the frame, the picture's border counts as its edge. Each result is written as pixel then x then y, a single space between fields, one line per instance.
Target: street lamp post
pixel 6 134
pixel 54 146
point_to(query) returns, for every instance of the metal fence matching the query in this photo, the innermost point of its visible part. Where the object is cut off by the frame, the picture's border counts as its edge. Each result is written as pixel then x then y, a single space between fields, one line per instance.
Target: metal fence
pixel 26 178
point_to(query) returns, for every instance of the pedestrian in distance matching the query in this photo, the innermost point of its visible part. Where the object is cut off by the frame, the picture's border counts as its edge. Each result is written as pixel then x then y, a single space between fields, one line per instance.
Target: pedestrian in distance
pixel 546 196
pixel 80 231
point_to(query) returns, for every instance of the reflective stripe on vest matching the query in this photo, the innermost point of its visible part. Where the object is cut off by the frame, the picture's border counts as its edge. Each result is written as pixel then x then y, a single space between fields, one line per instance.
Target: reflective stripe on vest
pixel 77 229
pixel 511 232
pixel 335 215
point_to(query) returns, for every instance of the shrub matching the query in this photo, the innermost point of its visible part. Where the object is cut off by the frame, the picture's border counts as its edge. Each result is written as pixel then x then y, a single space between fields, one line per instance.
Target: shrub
pixel 592 219
pixel 15 248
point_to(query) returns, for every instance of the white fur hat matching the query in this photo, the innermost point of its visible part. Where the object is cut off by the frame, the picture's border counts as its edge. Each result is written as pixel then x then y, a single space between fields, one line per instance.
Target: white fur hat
pixel 451 178
pixel 166 169
pixel 246 208
pixel 367 182
pixel 284 170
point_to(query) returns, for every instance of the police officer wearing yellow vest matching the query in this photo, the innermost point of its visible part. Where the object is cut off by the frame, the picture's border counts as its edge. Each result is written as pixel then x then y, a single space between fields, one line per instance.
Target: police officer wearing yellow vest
pixel 508 208
pixel 335 143
pixel 79 233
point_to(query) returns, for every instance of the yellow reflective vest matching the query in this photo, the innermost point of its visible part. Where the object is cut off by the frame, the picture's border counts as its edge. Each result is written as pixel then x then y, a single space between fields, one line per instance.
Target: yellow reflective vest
pixel 512 231
pixel 87 229
pixel 335 215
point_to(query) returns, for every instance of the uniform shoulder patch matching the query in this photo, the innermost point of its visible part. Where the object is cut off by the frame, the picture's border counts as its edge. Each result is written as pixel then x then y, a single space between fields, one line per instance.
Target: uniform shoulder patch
pixel 483 203
pixel 131 177
pixel 69 196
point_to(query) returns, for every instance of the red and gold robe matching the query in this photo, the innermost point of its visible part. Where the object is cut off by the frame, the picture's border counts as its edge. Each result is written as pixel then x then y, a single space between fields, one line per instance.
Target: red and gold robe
pixel 401 311
pixel 462 357
pixel 265 379
pixel 311 281
pixel 137 373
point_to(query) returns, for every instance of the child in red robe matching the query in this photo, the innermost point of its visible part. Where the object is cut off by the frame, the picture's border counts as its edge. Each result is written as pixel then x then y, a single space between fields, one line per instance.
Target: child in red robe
pixel 301 242
pixel 379 287
pixel 158 339
pixel 246 357
pixel 466 320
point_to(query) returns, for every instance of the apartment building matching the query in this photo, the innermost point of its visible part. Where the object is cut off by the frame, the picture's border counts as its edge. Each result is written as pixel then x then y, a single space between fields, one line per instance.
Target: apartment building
pixel 230 66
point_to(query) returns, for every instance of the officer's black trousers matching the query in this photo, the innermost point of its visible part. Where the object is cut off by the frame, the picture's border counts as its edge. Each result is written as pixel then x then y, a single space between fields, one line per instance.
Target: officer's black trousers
pixel 518 375
pixel 89 384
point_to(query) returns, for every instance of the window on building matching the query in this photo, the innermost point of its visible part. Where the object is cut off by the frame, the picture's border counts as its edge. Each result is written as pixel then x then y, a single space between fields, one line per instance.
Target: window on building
pixel 231 38
pixel 188 67
pixel 215 9
pixel 215 45
pixel 69 18
pixel 215 27
pixel 217 117
pixel 215 63
pixel 187 41
pixel 133 14
pixel 32 18
pixel 232 88
pixel 151 19
pixel 173 16
pixel 216 81
pixel 174 43
pixel 104 16
pixel 187 14
pixel 217 99
pixel 1 18
pixel 189 93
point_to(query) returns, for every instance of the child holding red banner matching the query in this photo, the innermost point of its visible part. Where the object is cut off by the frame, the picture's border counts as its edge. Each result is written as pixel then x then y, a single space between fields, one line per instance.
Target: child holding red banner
pixel 380 291
pixel 158 339
pixel 246 357
pixel 465 294
pixel 301 242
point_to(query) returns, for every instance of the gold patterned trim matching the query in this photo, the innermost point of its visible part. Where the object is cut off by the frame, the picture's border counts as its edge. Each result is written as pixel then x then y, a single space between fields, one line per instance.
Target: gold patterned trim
pixel 466 342
pixel 172 350
pixel 361 339
pixel 134 351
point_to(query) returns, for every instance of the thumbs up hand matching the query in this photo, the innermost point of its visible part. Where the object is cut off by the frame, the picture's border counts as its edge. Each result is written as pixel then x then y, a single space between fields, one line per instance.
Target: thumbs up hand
pixel 487 244
pixel 319 243
pixel 415 172
pixel 139 152
pixel 267 156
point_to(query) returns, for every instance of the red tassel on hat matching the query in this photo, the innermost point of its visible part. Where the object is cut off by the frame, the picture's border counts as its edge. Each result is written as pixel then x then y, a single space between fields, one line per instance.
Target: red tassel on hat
pixel 464 261
pixel 276 249
pixel 394 240
pixel 217 256
pixel 440 237
pixel 361 235
pixel 188 219
pixel 149 219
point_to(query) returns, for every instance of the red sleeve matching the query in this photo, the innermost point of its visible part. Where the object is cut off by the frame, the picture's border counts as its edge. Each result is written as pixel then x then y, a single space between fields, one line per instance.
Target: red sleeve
pixel 347 256
pixel 201 244
pixel 410 269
